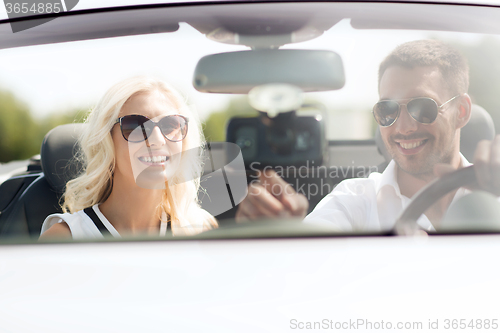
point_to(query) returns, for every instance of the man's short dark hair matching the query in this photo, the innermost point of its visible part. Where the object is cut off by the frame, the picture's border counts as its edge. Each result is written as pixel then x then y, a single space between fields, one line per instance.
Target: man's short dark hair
pixel 451 63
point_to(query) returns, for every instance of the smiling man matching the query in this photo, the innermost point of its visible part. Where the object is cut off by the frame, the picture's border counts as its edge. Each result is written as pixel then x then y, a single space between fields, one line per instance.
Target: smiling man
pixel 422 107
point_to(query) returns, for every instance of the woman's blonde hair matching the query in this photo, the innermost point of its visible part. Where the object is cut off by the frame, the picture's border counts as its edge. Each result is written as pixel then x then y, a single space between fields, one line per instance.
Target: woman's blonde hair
pixel 95 183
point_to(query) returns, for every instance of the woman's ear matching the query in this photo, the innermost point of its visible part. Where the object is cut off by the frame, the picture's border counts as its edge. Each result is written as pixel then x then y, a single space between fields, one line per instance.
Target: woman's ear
pixel 464 110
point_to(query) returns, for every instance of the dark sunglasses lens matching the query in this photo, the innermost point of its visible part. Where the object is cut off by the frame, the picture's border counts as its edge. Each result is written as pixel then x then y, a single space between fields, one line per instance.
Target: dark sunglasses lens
pixel 173 127
pixel 423 110
pixel 386 112
pixel 135 128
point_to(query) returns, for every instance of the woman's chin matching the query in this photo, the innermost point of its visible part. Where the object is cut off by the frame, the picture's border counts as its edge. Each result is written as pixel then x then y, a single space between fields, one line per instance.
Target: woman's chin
pixel 150 178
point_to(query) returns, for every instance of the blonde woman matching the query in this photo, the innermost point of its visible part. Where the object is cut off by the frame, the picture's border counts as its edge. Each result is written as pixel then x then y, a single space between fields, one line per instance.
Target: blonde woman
pixel 141 175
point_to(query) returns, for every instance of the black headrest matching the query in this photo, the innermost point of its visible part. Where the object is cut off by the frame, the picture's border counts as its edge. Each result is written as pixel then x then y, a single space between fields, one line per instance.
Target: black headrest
pixel 480 127
pixel 57 155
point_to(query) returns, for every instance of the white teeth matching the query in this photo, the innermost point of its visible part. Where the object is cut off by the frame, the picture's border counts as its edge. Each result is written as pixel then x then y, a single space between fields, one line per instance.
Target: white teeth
pixel 411 145
pixel 153 159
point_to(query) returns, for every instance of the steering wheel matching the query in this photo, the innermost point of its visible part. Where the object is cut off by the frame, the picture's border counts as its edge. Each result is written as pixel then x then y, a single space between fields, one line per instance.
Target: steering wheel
pixel 406 224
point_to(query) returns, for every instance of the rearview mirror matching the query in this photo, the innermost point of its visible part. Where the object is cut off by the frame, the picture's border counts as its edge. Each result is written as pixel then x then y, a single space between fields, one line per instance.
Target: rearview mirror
pixel 239 72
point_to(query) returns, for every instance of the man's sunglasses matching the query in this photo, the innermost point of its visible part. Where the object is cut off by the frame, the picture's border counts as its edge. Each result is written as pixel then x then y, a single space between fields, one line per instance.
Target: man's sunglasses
pixel 137 128
pixel 422 109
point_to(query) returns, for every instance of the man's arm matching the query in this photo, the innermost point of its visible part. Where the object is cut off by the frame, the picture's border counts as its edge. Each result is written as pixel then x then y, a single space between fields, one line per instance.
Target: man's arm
pixel 344 208
pixel 271 196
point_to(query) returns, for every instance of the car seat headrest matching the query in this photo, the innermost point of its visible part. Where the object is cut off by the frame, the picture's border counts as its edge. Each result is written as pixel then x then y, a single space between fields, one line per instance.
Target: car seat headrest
pixel 480 127
pixel 57 153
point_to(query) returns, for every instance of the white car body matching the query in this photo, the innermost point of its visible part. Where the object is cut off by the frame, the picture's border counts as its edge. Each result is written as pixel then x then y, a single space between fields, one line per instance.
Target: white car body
pixel 262 285
pixel 259 284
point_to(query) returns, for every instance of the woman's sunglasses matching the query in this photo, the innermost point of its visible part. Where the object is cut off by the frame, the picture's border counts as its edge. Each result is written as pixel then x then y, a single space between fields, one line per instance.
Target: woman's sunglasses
pixel 422 109
pixel 137 128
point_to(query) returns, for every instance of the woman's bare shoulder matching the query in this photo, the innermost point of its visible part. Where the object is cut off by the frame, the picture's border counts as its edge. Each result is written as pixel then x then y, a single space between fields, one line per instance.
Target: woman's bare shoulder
pixel 58 230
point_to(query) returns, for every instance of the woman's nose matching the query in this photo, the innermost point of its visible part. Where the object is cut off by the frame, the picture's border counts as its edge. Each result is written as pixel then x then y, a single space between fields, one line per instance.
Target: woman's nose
pixel 156 137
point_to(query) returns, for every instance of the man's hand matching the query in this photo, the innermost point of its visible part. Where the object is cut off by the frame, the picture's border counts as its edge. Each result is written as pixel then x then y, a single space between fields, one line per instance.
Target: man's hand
pixel 486 166
pixel 271 197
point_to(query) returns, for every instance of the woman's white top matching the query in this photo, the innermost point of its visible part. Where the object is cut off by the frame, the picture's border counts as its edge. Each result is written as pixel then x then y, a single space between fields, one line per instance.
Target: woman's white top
pixel 82 226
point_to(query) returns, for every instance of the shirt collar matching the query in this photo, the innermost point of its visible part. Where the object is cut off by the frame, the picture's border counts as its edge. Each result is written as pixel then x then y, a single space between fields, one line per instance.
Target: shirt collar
pixel 388 178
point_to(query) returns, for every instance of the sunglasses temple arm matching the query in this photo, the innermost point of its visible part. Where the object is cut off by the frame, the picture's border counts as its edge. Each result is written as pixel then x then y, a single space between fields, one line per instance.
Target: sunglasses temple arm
pixel 448 101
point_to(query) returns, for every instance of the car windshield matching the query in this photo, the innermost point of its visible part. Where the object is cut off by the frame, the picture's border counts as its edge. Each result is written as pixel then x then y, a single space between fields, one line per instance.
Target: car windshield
pixel 315 132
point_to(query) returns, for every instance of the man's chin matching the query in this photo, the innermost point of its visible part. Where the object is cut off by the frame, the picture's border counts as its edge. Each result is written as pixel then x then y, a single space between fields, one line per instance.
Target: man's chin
pixel 418 170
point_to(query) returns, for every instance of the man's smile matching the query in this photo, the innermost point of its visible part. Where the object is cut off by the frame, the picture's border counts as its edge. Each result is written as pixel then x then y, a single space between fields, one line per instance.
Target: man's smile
pixel 410 147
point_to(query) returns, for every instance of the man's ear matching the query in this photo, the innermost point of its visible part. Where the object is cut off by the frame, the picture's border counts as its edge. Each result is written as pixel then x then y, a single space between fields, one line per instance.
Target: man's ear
pixel 464 110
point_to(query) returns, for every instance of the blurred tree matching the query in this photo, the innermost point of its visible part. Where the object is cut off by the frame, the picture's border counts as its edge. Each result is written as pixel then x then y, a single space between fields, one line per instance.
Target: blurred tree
pixel 17 129
pixel 20 134
pixel 214 127
pixel 55 119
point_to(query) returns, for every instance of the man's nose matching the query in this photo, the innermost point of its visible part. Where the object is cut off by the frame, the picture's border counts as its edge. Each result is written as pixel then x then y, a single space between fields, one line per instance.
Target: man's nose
pixel 156 138
pixel 405 123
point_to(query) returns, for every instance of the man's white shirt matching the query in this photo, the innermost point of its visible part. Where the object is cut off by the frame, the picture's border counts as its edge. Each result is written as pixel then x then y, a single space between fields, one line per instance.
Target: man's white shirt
pixel 369 204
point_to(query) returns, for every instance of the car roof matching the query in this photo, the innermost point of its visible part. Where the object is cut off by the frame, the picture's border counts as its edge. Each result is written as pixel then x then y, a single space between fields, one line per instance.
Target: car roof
pixel 207 16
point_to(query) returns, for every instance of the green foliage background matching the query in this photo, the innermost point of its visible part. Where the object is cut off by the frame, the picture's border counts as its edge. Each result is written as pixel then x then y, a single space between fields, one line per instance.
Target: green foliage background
pixel 215 125
pixel 21 135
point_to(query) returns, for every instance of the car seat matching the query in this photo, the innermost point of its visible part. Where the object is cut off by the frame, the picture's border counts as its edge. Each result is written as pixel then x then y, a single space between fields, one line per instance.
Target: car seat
pixel 29 208
pixel 480 127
